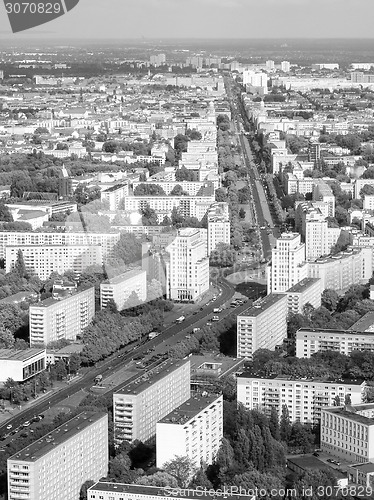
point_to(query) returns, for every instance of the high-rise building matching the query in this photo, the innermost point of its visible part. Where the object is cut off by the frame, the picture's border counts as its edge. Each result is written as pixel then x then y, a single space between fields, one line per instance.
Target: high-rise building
pixel 307 291
pixel 194 429
pixel 348 432
pixel 157 60
pixel 303 398
pixel 323 192
pixel 288 264
pixel 314 150
pixel 142 402
pixel 61 318
pixel 44 260
pixel 114 195
pixel 270 65
pixel 188 270
pixel 218 225
pixel 263 325
pixel 119 288
pixel 285 66
pixel 55 466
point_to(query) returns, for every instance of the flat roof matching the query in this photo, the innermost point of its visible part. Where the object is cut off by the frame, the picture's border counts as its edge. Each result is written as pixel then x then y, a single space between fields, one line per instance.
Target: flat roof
pixel 285 378
pixel 328 331
pixel 51 301
pixel 19 355
pixel 302 285
pixel 188 410
pixel 48 442
pixel 368 467
pixel 311 462
pixel 263 305
pixel 138 384
pixel 350 412
pixel 123 277
pixel 162 492
pixel 364 323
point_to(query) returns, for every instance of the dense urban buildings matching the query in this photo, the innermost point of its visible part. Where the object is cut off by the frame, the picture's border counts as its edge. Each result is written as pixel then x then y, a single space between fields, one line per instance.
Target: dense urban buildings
pixel 119 288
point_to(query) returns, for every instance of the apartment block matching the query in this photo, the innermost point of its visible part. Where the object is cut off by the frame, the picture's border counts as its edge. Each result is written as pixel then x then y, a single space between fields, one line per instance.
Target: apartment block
pixel 44 260
pixel 61 318
pixel 121 491
pixel 146 399
pixel 303 398
pixel 121 287
pixel 188 269
pixel 114 195
pixel 348 432
pixel 339 271
pixel 323 192
pixel 310 341
pixel 20 239
pixel 307 291
pixel 194 429
pixel 262 326
pixel 288 265
pixel 55 466
pixel 218 225
pixel 20 365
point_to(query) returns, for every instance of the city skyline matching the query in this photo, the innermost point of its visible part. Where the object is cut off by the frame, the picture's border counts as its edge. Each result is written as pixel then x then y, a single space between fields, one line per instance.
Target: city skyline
pixel 206 19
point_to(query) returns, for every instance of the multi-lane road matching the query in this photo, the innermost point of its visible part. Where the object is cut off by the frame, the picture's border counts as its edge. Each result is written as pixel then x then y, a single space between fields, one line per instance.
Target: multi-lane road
pixel 172 334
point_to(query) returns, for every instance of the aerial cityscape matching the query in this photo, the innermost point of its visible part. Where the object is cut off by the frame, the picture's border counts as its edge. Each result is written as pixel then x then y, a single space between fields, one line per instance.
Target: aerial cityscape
pixel 187 252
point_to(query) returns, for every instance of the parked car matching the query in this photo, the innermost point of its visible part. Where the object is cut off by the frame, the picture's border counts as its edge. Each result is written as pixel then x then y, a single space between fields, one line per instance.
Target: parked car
pixel 330 460
pixel 27 423
pixel 9 427
pixel 316 454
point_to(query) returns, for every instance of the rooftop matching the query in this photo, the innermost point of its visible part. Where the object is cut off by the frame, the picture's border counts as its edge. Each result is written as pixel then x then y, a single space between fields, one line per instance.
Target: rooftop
pixel 311 462
pixel 188 410
pixel 368 467
pixel 153 491
pixel 124 276
pixel 352 412
pixel 303 380
pixel 138 384
pixel 328 331
pixel 364 324
pixel 303 285
pixel 52 301
pixel 266 303
pixel 19 355
pixel 47 443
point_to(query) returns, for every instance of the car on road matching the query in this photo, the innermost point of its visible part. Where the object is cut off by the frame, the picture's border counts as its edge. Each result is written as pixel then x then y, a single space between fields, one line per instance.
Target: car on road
pixel 27 423
pixel 215 318
pixel 9 427
pixel 209 323
pixel 330 460
pixel 316 454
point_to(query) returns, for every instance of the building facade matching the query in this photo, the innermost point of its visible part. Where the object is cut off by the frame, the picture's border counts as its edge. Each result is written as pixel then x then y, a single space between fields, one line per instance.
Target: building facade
pixel 121 287
pixel 303 398
pixel 194 429
pixel 288 265
pixel 263 326
pixel 307 291
pixel 65 318
pixel 141 403
pixel 218 225
pixel 55 466
pixel 20 365
pixel 348 432
pixel 188 269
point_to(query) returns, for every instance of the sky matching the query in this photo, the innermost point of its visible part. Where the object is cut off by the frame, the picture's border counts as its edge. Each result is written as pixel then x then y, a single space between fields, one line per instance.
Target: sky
pixel 160 19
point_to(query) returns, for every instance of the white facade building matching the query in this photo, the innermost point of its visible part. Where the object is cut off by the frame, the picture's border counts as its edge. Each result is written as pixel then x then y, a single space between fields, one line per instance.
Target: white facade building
pixel 188 270
pixel 55 466
pixel 348 432
pixel 20 365
pixel 121 287
pixel 57 319
pixel 307 291
pixel 262 326
pixel 288 265
pixel 140 404
pixel 114 195
pixel 303 398
pixel 194 429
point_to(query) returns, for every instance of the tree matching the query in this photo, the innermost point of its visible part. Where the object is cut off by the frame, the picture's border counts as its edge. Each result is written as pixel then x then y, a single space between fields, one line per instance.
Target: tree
pixel 6 338
pixel 181 468
pixel 223 256
pixel 329 299
pixel 347 400
pixel 274 423
pixel 59 369
pixel 128 249
pixel 184 174
pixel 285 425
pixel 74 362
pixel 5 214
pixel 159 479
pixel 149 216
pixel 367 189
pixel 19 265
pixel 220 195
pixel 119 469
pixel 111 147
pixel 149 189
pixel 84 488
pixel 178 191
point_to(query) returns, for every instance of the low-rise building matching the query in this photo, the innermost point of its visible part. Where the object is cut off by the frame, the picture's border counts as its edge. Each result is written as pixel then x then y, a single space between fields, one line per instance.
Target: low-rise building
pixel 263 325
pixel 20 365
pixel 119 288
pixel 348 432
pixel 303 398
pixel 194 429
